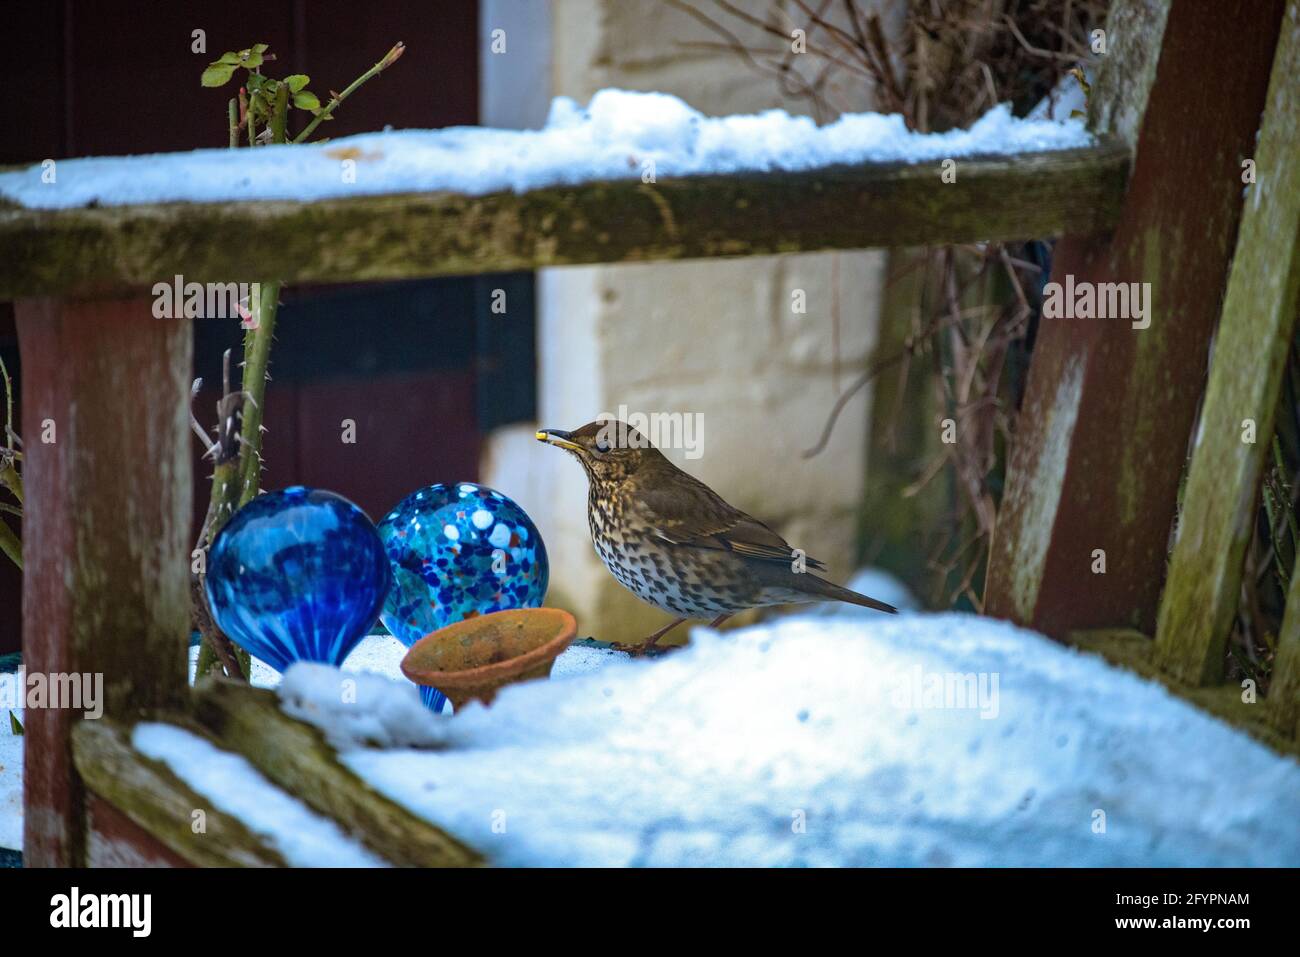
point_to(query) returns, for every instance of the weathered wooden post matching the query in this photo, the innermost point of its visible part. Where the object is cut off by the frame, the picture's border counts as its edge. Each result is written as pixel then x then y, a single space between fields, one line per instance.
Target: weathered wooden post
pixel 1108 412
pixel 1250 355
pixel 106 527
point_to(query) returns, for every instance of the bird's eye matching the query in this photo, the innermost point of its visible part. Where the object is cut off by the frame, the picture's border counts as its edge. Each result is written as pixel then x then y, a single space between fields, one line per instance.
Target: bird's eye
pixel 602 445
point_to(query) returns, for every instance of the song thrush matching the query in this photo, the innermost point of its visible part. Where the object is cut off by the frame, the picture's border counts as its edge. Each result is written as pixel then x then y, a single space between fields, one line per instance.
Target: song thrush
pixel 675 544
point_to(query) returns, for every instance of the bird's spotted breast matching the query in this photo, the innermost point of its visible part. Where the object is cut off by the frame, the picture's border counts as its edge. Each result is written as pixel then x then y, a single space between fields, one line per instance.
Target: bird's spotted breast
pixel 684 581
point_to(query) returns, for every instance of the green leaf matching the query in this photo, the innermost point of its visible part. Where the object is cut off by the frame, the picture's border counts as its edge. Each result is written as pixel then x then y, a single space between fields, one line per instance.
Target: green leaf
pixel 231 57
pixel 297 82
pixel 15 725
pixel 306 101
pixel 252 60
pixel 217 74
pixel 260 47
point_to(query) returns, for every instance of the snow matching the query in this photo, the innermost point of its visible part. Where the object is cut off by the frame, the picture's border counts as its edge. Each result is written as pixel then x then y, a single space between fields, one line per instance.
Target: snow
pixel 374 655
pixel 836 736
pixel 11 784
pixel 303 837
pixel 617 136
pixel 584 659
pixel 815 740
pixel 380 707
pixel 358 708
pixel 382 655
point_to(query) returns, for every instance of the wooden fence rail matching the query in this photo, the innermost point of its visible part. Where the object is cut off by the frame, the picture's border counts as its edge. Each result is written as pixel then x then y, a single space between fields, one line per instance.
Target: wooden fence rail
pixel 117 249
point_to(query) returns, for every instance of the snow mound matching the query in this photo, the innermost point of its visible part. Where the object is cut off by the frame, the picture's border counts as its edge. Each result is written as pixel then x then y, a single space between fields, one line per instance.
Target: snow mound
pixel 358 708
pixel 302 836
pixel 617 136
pixel 872 740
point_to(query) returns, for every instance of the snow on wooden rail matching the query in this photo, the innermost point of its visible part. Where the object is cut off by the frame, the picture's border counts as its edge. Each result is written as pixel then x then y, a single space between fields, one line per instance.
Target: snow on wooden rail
pixel 324 816
pixel 111 249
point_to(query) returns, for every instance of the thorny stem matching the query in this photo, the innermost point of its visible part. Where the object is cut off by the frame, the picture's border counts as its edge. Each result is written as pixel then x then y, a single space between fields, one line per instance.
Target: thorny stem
pixel 216 646
pixel 10 543
pixel 236 474
pixel 235 479
pixel 257 359
pixel 246 116
pixel 280 111
pixel 232 118
pixel 389 59
pixel 9 405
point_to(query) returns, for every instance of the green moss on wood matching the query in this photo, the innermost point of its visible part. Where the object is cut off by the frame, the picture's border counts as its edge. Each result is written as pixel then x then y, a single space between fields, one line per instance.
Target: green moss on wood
pixel 1259 313
pixel 295 756
pixel 100 250
pixel 1116 488
pixel 158 801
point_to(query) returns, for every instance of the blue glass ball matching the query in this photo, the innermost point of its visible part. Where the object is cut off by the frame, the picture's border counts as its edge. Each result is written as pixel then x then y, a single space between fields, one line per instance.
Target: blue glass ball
pixel 457 551
pixel 297 575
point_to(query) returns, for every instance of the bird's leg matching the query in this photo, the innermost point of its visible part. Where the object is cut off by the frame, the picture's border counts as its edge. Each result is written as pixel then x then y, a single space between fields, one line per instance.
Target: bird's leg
pixel 719 620
pixel 649 643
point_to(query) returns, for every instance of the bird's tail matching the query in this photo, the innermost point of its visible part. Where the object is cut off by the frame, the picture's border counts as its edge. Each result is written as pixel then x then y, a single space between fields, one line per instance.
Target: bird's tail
pixel 819 586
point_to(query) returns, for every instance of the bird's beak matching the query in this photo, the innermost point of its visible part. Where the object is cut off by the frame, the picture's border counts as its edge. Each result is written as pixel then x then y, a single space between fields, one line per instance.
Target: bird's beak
pixel 558 438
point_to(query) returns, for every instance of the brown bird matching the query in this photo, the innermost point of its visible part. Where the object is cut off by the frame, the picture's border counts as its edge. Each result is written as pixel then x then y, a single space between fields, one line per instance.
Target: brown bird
pixel 675 544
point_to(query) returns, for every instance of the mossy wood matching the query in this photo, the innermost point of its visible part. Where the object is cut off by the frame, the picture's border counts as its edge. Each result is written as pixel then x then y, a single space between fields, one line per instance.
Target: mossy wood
pixel 1250 352
pixel 1102 434
pixel 106 532
pixel 1284 691
pixel 295 756
pixel 154 798
pixel 100 250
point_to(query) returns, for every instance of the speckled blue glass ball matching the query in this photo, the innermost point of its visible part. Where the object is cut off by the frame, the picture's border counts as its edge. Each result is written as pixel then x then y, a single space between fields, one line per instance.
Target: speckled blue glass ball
pixel 458 551
pixel 297 575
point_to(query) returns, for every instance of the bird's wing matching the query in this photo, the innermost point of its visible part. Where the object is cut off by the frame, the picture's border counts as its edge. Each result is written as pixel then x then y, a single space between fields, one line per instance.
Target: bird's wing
pixel 692 514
